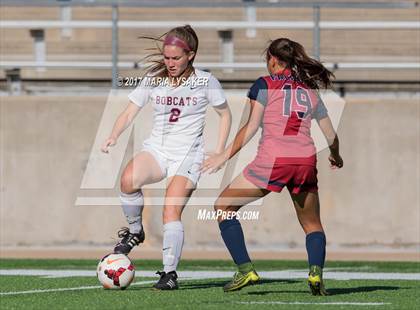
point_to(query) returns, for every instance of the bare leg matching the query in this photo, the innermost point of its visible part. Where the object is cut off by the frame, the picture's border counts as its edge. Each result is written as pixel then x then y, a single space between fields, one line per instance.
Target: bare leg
pixel 307 210
pixel 177 194
pixel 239 193
pixel 142 169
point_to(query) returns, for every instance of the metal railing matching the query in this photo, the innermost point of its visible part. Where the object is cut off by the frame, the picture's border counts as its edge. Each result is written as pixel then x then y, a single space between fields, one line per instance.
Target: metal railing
pixel 203 65
pixel 316 25
pixel 217 25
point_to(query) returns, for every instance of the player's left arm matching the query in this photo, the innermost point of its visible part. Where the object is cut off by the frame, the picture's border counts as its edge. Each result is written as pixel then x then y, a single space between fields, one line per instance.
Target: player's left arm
pixel 324 122
pixel 225 115
pixel 332 138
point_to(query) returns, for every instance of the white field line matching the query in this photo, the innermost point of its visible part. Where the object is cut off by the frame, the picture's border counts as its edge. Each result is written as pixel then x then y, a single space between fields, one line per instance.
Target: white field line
pixel 198 275
pixel 66 289
pixel 342 303
pixel 195 275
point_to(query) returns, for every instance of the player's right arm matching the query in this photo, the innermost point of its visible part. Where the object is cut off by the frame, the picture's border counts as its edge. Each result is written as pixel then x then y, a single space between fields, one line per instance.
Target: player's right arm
pixel 248 130
pixel 123 121
pixel 215 162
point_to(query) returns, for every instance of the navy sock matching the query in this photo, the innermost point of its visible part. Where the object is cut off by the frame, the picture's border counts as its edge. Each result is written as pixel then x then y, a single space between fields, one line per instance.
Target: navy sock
pixel 315 246
pixel 233 237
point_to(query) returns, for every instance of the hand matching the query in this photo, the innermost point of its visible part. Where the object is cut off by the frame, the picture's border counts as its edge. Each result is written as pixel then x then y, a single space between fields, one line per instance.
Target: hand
pixel 335 161
pixel 214 162
pixel 108 142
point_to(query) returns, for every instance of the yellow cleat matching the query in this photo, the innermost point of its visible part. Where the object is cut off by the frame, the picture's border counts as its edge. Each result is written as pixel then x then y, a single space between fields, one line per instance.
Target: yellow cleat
pixel 241 280
pixel 315 282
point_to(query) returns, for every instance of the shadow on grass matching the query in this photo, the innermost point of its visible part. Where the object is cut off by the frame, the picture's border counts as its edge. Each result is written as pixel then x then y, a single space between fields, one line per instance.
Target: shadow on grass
pixel 361 289
pixel 202 285
pixel 333 291
pixel 221 283
pixel 285 281
pixel 277 292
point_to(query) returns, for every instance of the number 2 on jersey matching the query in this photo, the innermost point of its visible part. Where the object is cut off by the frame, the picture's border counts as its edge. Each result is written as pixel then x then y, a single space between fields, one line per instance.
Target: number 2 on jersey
pixel 174 115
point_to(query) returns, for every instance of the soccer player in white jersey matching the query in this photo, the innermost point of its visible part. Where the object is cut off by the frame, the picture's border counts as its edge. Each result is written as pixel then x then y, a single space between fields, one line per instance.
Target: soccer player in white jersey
pixel 180 95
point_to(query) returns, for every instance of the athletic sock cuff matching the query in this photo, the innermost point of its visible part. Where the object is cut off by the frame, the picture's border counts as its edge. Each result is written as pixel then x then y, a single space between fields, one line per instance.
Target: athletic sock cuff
pixel 176 225
pixel 315 235
pixel 245 267
pixel 134 199
pixel 225 224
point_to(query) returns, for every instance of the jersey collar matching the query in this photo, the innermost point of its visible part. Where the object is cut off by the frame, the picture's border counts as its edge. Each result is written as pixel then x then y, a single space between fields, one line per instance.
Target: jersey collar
pixel 285 72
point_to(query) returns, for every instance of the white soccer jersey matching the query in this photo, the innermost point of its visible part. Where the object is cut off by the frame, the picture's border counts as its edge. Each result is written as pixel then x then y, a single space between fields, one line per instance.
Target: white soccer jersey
pixel 179 112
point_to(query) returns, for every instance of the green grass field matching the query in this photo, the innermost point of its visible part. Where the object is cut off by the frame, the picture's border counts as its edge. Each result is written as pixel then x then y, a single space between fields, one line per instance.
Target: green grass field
pixel 71 284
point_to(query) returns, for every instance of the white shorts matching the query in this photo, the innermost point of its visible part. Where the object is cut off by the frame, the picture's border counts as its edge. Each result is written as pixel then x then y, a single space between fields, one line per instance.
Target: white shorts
pixel 188 165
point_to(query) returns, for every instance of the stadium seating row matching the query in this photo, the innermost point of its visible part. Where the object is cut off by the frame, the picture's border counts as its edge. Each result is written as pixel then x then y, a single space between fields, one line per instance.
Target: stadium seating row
pixel 359 45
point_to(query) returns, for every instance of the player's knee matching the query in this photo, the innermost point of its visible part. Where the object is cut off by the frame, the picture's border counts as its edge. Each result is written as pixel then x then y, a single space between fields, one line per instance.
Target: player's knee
pixel 171 213
pixel 220 204
pixel 312 226
pixel 127 183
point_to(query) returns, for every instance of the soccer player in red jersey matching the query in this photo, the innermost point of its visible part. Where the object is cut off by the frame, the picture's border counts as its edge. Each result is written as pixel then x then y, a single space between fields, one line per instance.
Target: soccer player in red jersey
pixel 283 104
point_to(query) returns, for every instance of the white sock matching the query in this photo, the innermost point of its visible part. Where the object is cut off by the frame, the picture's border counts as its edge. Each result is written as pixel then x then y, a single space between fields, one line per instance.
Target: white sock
pixel 173 240
pixel 132 205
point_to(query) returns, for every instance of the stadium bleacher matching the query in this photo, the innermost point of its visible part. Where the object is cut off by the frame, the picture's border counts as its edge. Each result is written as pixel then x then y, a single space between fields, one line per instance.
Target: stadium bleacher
pixel 94 44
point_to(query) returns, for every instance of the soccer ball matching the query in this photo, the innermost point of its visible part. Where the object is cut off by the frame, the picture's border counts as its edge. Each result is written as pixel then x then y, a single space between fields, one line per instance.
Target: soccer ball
pixel 115 271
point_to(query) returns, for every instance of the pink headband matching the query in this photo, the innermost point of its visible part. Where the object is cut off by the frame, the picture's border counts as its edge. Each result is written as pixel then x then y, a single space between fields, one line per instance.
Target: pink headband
pixel 172 40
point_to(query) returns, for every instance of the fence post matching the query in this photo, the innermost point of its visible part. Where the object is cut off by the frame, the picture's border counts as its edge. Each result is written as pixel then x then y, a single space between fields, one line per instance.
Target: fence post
pixel 39 47
pixel 251 16
pixel 65 16
pixel 316 33
pixel 14 84
pixel 114 46
pixel 227 52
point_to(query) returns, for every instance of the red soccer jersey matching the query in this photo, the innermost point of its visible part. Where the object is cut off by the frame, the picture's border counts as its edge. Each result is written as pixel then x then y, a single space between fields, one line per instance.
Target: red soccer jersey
pixel 289 108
